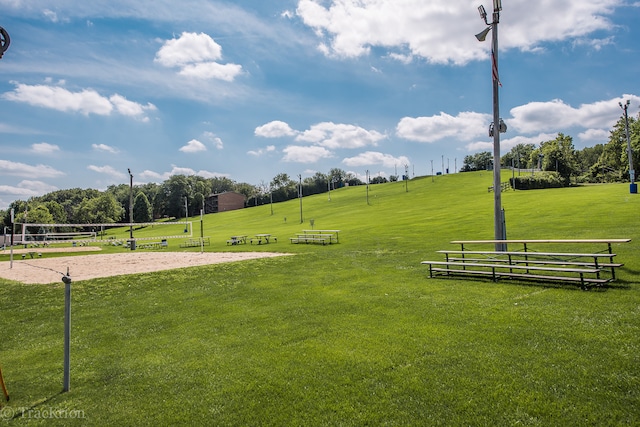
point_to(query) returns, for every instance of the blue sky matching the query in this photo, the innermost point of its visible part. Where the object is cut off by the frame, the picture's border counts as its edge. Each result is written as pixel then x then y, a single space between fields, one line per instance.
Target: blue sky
pixel 250 89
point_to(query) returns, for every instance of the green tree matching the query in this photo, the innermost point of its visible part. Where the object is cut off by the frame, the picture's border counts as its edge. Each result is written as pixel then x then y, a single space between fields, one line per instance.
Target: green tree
pixel 519 156
pixel 478 161
pixel 173 193
pixel 102 209
pixel 283 188
pixel 57 212
pixel 559 156
pixel 142 211
pixel 248 190
pixel 219 185
pixel 39 214
pixel 337 176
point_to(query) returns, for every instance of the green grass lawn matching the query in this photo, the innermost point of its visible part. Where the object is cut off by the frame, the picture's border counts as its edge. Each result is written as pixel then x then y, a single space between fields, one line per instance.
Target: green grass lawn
pixel 348 334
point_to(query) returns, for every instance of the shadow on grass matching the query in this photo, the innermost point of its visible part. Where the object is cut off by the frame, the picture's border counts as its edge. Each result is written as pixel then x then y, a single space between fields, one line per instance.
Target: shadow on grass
pixel 21 411
pixel 617 284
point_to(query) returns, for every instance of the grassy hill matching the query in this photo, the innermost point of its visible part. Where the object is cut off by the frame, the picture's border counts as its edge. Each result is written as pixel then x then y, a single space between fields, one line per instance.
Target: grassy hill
pixel 346 334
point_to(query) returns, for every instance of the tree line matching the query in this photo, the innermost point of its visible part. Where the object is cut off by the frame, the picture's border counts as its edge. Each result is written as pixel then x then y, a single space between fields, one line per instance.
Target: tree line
pixel 602 163
pixel 176 197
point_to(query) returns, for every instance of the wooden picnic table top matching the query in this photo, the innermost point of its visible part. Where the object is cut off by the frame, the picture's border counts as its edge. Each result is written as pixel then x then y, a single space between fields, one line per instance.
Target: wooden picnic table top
pixel 263 235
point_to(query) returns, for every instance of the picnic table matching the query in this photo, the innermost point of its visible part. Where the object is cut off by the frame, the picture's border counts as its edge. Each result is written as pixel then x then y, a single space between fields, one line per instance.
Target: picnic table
pixel 263 238
pixel 237 240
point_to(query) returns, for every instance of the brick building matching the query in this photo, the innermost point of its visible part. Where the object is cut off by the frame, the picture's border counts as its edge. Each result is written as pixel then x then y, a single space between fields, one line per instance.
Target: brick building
pixel 222 202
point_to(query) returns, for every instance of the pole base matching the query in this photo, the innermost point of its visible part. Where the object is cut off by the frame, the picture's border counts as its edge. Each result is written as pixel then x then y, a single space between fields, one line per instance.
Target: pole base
pixel 633 188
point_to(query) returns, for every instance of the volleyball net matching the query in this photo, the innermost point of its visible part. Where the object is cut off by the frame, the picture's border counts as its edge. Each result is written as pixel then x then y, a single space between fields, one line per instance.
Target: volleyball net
pixel 109 232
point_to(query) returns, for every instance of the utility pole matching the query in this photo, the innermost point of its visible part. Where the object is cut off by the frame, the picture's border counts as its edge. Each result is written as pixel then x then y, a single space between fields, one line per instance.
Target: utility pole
pixel 367 178
pixel 130 209
pixel 633 188
pixel 300 197
pixel 498 125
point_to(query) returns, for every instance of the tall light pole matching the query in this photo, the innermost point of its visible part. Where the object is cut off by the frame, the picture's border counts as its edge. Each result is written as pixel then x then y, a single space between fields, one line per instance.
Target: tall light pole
pixel 300 197
pixel 498 125
pixel 130 204
pixel 186 214
pixel 633 188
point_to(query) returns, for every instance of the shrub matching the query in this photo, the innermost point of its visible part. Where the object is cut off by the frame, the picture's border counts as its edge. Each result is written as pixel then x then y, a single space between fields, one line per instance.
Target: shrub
pixel 538 181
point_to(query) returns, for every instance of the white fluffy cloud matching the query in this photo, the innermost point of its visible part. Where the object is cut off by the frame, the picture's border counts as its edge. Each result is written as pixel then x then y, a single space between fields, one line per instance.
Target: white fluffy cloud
pixel 105 148
pixel 464 126
pixel 376 158
pixel 44 148
pixel 197 55
pixel 28 171
pixel 216 141
pixel 556 114
pixel 193 146
pixel 437 31
pixel 27 188
pixel 262 151
pixel 274 129
pixel 333 136
pixel 152 176
pixel 86 102
pixel 312 154
pixel 108 170
pixel 325 138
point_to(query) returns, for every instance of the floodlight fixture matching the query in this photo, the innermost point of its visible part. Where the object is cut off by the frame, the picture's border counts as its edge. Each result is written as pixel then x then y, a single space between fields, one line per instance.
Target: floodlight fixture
pixel 483 13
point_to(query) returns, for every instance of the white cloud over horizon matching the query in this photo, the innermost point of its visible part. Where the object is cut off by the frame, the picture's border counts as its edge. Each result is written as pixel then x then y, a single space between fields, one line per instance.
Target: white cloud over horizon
pixel 197 55
pixel 86 101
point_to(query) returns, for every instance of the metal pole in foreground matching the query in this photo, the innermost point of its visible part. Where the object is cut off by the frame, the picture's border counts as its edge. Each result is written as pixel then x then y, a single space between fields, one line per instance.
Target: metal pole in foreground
pixel 300 197
pixel 130 204
pixel 633 188
pixel 497 125
pixel 11 247
pixel 67 331
pixel 497 187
